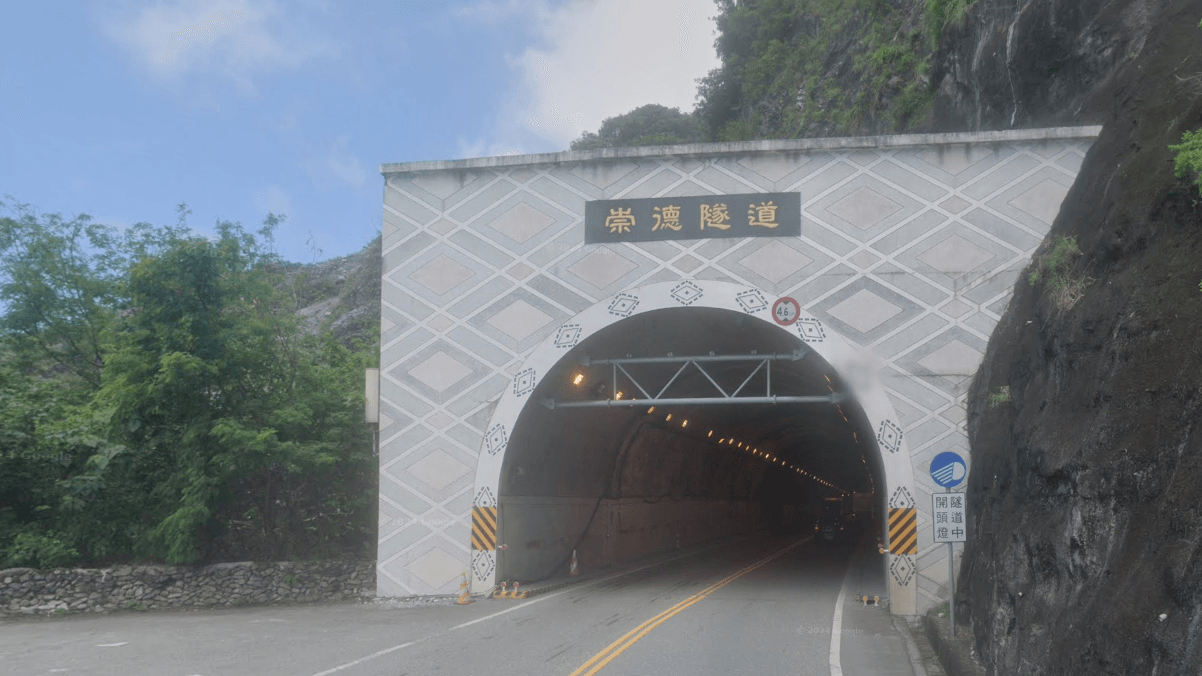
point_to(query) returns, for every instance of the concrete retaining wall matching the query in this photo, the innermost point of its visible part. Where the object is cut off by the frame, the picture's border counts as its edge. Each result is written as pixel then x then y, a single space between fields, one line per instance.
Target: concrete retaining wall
pixel 26 591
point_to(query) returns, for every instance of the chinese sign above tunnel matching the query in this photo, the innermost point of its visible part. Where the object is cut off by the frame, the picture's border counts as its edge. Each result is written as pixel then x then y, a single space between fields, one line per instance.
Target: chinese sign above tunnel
pixel 776 214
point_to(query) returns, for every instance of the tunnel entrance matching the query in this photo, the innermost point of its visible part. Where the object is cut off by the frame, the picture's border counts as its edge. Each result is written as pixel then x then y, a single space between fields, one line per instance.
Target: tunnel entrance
pixel 631 443
pixel 617 479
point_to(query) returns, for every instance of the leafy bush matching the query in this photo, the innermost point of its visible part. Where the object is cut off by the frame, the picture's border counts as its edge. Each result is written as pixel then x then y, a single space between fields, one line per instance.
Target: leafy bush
pixel 156 386
pixel 1187 163
pixel 34 550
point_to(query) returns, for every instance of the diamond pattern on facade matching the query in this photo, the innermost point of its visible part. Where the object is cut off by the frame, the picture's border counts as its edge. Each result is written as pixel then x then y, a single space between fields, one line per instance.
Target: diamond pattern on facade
pixel 955 160
pixel 481 263
pixel 864 311
pixel 687 293
pixel 438 470
pixel 955 256
pixel 811 330
pixel 954 361
pixel 521 222
pixel 901 499
pixel 483 565
pixel 519 320
pixel 1042 201
pixel 602 268
pixel 751 301
pixel 902 568
pixel 864 208
pixel 568 335
pixel 441 275
pixel 435 568
pixel 440 371
pixel 775 261
pixel 889 437
pixel 524 382
pixel 623 305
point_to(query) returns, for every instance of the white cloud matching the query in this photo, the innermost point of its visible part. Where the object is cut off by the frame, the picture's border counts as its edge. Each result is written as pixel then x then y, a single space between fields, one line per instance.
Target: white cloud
pixel 273 198
pixel 336 165
pixel 238 39
pixel 602 58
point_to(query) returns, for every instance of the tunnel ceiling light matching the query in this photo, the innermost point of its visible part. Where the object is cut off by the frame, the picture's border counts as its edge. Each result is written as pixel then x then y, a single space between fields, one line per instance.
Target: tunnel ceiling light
pixel 740 444
pixel 828 378
pixel 578 379
pixel 618 394
pixel 668 418
pixel 684 423
pixel 722 440
pixel 856 438
pixel 710 434
pixel 651 410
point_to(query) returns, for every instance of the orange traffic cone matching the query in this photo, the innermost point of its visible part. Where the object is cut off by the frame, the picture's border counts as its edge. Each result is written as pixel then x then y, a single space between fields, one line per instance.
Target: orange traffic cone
pixel 464 595
pixel 574 569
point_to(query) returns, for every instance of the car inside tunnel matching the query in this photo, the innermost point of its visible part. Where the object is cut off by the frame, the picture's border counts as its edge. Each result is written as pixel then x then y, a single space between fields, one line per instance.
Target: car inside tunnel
pixel 676 427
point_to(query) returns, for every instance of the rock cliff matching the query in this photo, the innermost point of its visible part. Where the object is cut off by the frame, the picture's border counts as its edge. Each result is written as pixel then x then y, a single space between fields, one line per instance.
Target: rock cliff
pixel 1085 493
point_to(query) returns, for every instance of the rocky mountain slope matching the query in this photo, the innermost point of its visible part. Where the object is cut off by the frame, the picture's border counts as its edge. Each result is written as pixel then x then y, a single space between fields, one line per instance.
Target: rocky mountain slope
pixel 1085 551
pixel 340 295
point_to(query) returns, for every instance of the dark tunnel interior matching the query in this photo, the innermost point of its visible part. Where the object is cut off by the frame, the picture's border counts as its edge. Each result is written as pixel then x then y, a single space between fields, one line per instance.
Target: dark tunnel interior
pixel 618 482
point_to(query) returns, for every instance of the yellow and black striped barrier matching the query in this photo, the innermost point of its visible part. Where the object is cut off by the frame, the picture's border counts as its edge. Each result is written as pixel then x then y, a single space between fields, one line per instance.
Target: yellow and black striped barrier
pixel 903 530
pixel 484 528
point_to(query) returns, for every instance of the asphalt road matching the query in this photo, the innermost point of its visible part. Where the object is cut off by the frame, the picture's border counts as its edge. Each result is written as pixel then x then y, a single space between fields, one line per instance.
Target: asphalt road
pixel 764 606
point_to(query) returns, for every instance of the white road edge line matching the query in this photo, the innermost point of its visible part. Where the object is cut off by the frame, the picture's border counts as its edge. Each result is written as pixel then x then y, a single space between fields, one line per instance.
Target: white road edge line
pixel 599 580
pixel 580 586
pixel 361 660
pixel 837 623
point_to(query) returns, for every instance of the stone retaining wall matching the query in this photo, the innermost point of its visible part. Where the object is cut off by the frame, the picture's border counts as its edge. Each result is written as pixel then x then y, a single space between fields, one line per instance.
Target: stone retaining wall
pixel 44 592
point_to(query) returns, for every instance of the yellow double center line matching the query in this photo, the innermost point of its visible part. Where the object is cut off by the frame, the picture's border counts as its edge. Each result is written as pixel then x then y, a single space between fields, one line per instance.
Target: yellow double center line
pixel 598 662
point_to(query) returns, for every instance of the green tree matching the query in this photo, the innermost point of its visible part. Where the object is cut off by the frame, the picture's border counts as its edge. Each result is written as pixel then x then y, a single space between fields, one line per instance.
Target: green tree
pixel 187 409
pixel 649 125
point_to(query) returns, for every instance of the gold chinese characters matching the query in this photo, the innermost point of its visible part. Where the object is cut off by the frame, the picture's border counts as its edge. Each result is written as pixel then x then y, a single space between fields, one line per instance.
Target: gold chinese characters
pixel 763 216
pixel 715 216
pixel 619 221
pixel 668 217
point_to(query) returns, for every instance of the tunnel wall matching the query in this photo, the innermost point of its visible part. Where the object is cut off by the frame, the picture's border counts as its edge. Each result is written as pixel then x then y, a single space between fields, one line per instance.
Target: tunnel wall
pixel 541 532
pixel 909 251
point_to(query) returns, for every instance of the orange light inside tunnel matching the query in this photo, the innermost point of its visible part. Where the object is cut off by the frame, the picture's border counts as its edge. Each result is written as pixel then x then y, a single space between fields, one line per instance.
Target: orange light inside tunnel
pixel 651 410
pixel 578 379
pixel 710 434
pixel 618 394
pixel 684 423
pixel 668 418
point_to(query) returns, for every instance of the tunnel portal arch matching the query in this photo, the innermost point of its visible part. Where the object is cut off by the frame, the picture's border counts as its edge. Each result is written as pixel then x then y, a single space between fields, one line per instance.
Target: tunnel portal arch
pixel 856 366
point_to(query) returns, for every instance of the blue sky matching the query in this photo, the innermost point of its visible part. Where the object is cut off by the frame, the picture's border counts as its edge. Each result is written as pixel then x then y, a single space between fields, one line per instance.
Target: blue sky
pixel 124 109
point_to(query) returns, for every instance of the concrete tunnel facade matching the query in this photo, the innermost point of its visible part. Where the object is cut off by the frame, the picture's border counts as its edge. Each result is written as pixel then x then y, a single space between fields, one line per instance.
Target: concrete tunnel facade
pixel 908 250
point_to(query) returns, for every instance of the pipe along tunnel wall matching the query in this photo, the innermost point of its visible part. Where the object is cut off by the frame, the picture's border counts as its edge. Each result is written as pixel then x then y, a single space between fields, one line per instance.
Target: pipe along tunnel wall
pixel 616 484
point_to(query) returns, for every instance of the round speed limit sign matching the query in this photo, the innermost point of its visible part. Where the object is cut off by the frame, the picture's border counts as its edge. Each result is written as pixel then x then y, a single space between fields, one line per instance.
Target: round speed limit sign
pixel 786 311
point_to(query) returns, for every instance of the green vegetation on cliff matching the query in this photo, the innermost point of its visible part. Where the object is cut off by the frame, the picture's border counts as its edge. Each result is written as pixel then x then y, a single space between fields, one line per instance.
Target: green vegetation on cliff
pixel 159 400
pixel 804 68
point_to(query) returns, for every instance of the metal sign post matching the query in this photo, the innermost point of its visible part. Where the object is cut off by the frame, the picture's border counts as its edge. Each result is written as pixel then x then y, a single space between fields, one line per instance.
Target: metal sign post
pixel 947 510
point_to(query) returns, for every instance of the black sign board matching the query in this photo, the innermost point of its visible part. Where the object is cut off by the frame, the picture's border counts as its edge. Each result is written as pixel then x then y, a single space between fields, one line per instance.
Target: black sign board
pixel 765 214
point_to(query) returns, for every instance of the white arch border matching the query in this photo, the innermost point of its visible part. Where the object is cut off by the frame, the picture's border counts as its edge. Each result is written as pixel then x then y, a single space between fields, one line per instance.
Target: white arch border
pixel 858 367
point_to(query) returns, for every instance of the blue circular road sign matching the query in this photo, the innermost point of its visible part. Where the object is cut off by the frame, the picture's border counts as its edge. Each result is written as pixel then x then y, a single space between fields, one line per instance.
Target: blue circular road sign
pixel 948 469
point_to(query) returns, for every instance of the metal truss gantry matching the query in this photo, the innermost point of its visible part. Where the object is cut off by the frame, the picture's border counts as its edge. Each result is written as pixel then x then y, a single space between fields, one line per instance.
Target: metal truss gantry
pixel 721 396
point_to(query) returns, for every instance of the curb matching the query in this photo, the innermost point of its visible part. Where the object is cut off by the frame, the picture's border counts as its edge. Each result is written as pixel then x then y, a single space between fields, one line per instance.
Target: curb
pixel 955 654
